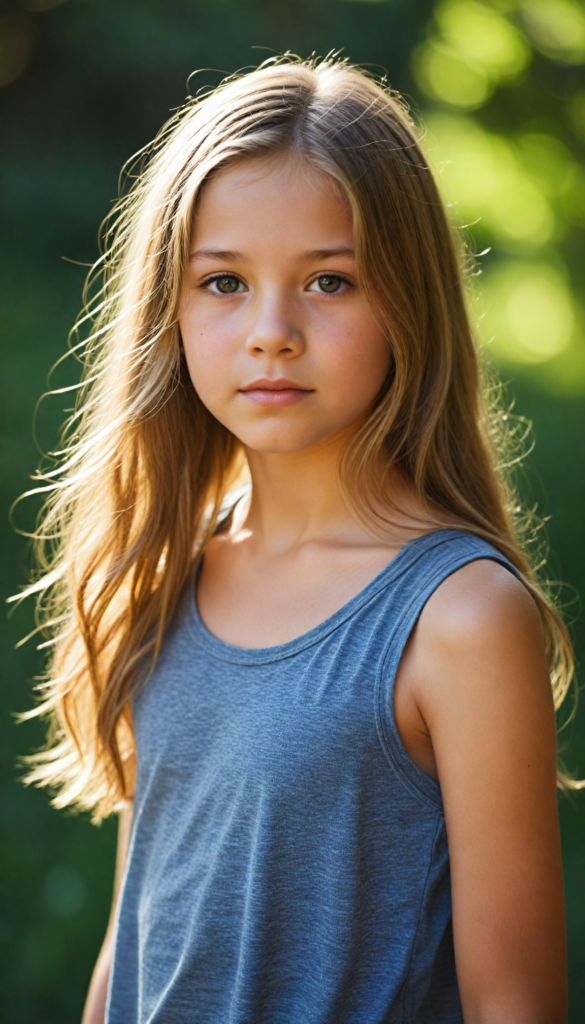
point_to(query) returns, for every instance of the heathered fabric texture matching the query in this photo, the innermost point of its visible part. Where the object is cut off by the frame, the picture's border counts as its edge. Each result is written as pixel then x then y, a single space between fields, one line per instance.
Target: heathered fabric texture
pixel 288 862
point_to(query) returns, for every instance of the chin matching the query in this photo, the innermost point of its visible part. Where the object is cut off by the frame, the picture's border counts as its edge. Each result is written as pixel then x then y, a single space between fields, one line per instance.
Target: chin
pixel 281 441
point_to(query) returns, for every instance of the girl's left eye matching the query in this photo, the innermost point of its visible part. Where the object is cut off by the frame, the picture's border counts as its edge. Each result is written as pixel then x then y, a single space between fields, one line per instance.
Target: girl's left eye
pixel 327 283
pixel 225 284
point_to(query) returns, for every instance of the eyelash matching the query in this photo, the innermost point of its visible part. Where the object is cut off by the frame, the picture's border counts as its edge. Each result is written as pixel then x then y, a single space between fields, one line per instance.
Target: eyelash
pixel 341 277
pixel 218 277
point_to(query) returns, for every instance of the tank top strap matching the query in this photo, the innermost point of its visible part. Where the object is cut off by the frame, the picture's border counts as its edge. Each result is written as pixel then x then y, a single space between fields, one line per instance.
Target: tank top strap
pixel 432 559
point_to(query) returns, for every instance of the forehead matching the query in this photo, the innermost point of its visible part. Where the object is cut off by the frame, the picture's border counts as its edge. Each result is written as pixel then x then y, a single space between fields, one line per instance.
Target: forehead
pixel 264 201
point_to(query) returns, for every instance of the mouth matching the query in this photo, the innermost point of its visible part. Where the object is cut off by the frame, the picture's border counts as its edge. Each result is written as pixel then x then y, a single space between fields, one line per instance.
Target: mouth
pixel 276 393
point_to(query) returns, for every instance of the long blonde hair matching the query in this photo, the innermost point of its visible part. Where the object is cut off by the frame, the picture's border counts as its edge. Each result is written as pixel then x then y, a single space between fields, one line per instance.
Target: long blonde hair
pixel 146 467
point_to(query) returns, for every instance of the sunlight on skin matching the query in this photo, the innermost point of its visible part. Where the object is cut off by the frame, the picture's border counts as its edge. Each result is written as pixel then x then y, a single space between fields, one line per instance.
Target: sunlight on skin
pixel 291 315
pixel 271 312
pixel 281 344
pixel 284 350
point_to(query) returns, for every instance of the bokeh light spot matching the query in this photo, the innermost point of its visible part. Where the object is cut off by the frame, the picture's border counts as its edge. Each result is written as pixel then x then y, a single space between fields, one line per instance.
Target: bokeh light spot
pixel 529 312
pixel 549 160
pixel 557 28
pixel 482 35
pixel 475 49
pixel 484 176
pixel 444 76
pixel 521 212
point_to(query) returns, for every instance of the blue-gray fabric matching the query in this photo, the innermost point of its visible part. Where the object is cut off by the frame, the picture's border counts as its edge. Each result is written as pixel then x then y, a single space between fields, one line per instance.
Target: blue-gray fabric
pixel 288 862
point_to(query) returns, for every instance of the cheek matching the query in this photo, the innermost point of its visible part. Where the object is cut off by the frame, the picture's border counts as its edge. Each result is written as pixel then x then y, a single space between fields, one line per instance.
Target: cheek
pixel 358 361
pixel 207 353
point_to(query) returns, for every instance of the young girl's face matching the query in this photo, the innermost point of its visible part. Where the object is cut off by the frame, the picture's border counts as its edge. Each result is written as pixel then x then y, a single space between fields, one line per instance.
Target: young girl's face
pixel 280 343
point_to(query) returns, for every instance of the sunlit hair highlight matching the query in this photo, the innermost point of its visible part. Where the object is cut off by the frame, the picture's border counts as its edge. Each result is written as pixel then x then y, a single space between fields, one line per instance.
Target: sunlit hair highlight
pixel 137 493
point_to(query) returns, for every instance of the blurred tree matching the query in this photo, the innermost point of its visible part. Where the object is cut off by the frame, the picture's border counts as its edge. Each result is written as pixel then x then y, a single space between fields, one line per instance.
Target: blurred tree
pixel 85 83
pixel 506 135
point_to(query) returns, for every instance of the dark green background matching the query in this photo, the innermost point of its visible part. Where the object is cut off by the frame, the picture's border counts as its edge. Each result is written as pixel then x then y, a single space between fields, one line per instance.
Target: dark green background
pixel 101 78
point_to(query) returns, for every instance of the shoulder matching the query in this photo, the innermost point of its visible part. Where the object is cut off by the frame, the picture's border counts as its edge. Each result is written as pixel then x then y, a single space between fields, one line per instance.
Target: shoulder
pixel 477 602
pixel 474 678
pixel 480 631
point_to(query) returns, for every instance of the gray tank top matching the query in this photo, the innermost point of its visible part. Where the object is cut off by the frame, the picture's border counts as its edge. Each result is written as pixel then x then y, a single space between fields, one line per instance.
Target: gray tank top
pixel 288 862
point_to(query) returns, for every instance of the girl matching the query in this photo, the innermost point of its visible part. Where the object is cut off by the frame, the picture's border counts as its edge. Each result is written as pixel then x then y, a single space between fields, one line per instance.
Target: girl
pixel 297 644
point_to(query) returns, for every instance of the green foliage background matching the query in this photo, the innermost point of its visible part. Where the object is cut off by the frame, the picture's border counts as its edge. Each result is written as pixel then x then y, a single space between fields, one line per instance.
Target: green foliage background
pixel 84 84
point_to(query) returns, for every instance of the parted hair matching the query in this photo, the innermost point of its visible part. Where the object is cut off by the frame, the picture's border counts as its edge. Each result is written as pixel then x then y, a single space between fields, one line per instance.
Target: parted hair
pixel 145 467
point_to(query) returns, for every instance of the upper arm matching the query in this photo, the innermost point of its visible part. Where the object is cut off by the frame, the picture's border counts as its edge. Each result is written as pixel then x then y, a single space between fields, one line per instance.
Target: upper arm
pixel 124 831
pixel 482 686
pixel 95 1006
pixel 123 843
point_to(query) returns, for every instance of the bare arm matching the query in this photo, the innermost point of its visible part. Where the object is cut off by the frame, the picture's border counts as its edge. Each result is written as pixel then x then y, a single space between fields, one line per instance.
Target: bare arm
pixel 478 670
pixel 95 1006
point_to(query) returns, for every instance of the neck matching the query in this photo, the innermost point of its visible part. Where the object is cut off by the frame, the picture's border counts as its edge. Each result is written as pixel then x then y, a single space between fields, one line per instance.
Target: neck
pixel 297 499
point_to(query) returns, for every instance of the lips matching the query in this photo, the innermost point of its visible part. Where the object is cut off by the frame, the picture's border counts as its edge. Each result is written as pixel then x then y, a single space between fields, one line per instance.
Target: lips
pixel 275 394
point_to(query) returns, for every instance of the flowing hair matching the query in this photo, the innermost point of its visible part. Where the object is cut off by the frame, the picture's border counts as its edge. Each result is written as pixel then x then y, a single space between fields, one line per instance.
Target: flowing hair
pixel 145 468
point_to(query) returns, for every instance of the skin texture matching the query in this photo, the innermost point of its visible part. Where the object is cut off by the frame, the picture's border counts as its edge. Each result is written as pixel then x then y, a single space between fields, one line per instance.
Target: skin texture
pixel 474 707
pixel 473 701
pixel 279 323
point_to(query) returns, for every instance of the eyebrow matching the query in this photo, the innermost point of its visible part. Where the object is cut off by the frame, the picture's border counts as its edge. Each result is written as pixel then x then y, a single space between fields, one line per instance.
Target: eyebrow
pixel 227 255
pixel 323 254
pixel 232 256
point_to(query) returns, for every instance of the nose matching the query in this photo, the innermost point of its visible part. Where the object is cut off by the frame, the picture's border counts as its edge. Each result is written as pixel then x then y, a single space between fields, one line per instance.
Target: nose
pixel 274 331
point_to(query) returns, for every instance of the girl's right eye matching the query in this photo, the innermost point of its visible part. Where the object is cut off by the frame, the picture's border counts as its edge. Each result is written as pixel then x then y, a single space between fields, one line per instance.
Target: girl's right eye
pixel 224 284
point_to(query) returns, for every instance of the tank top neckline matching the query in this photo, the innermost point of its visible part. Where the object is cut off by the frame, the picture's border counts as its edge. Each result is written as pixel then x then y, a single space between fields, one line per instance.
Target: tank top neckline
pixel 224 651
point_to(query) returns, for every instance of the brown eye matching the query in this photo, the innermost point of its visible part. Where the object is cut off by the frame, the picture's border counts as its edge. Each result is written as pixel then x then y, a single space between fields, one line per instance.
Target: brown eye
pixel 227 285
pixel 329 283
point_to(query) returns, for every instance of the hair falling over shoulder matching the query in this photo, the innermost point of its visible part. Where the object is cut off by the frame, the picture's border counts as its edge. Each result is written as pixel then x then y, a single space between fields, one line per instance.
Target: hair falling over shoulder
pixel 137 492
